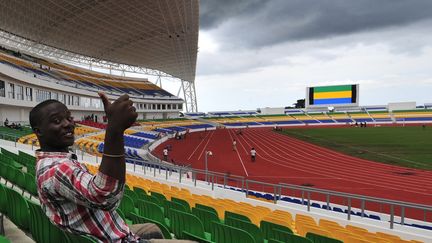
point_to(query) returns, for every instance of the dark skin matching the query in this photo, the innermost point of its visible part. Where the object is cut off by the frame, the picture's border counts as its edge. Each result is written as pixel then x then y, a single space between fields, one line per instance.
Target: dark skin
pixel 55 132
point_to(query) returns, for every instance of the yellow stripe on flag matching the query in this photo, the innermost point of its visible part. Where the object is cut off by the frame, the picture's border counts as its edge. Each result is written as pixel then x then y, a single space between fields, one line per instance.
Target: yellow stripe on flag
pixel 329 95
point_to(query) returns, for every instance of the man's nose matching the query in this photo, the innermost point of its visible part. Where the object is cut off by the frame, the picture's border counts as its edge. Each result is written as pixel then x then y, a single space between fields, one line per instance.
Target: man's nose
pixel 68 123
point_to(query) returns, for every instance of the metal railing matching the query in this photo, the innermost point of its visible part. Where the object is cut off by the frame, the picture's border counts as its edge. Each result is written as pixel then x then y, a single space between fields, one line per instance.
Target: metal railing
pixel 224 180
pixel 156 167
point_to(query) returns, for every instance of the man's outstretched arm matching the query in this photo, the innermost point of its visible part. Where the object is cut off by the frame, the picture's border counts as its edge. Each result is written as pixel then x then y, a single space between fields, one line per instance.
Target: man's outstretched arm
pixel 121 115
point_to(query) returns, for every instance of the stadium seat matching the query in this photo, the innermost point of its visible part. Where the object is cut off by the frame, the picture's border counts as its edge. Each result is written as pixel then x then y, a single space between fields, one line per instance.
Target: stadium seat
pixel 228 234
pixel 321 239
pixel 185 225
pixel 249 227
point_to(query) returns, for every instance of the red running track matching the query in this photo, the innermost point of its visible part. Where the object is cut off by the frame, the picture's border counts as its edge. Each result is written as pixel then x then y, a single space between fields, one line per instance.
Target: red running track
pixel 284 159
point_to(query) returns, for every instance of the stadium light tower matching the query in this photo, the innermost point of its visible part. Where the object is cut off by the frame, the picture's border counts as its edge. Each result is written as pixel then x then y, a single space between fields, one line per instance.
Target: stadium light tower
pixel 207 153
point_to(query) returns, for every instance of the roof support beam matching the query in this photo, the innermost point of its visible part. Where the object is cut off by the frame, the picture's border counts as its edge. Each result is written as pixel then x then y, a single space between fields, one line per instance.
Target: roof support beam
pixel 189 96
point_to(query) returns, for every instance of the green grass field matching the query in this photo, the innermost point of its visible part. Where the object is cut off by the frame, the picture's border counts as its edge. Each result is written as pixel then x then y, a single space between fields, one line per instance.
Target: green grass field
pixel 403 146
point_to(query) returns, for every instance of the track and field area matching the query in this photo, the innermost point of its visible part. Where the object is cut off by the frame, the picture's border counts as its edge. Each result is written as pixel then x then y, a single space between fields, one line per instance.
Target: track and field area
pixel 409 146
pixel 289 160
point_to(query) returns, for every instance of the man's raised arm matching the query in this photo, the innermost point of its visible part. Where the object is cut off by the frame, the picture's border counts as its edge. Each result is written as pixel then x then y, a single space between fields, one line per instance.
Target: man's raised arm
pixel 121 115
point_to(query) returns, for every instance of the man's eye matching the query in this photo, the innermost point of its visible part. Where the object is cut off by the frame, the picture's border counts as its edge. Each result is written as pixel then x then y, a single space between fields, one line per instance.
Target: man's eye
pixel 56 120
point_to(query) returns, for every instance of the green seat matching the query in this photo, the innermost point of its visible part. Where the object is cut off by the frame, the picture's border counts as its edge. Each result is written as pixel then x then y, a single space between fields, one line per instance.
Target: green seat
pixel 268 227
pixel 173 205
pixel 138 219
pixel 127 205
pixel 208 208
pixel 158 195
pixel 247 226
pixel 150 198
pixel 30 184
pixel 151 210
pixel 321 239
pixel 18 211
pixel 131 194
pixel 287 237
pixel 121 214
pixel 206 217
pixel 228 234
pixel 183 202
pixel 3 200
pixel 20 180
pixel 41 228
pixel 185 222
pixel 3 239
pixel 229 214
pixel 139 190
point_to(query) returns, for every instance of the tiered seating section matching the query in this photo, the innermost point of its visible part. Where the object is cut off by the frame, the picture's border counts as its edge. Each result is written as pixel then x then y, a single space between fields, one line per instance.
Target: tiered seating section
pixel 178 212
pixel 77 77
pixel 173 125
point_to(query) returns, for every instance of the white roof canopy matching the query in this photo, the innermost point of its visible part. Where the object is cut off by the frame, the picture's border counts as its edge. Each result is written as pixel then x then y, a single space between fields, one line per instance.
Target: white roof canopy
pixel 156 34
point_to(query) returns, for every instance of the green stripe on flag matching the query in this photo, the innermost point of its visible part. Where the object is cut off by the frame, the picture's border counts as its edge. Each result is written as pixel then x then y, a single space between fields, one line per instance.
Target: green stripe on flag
pixel 333 88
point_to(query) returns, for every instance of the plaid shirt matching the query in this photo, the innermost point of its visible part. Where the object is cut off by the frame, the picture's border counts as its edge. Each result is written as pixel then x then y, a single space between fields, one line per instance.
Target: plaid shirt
pixel 78 201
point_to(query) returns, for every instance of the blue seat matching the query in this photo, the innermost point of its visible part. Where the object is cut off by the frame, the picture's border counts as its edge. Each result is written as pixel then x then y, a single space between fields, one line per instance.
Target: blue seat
pixel 339 210
pixel 376 217
pixel 315 205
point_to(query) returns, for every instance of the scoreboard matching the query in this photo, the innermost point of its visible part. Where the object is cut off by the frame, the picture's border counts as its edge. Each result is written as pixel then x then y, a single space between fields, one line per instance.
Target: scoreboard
pixel 332 96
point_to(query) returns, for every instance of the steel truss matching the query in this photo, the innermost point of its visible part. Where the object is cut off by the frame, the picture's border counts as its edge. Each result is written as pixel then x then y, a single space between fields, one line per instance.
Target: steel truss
pixel 24 45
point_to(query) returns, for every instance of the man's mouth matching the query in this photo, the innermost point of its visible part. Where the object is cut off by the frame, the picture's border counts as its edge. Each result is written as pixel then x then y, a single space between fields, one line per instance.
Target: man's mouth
pixel 69 134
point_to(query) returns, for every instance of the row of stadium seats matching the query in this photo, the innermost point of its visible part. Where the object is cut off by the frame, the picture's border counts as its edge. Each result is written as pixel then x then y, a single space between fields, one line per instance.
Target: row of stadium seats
pixel 146 192
pixel 174 203
pixel 81 78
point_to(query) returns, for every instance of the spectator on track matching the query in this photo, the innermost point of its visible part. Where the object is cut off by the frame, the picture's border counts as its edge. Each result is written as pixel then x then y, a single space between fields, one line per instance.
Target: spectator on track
pixel 234 145
pixel 253 154
pixel 165 153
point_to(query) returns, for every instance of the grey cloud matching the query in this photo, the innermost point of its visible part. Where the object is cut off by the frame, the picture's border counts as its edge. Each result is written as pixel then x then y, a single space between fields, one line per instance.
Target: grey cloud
pixel 255 23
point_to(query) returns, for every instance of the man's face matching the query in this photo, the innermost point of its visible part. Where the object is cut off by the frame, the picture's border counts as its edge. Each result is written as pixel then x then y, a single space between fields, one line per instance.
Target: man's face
pixel 56 128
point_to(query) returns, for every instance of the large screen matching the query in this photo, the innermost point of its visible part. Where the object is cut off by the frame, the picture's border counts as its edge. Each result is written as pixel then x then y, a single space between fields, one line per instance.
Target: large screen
pixel 336 95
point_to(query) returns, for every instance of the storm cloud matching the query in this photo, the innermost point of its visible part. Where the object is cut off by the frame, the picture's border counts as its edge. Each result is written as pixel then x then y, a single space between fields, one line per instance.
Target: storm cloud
pixel 261 23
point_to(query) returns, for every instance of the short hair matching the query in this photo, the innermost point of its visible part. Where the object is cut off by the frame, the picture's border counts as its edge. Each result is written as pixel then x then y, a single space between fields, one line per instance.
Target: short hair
pixel 35 114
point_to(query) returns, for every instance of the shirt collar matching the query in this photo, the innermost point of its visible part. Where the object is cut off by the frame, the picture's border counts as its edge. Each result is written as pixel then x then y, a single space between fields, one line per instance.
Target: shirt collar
pixel 61 155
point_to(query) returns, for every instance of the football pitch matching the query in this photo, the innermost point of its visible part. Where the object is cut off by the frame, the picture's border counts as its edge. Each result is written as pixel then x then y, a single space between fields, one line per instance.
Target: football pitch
pixel 409 146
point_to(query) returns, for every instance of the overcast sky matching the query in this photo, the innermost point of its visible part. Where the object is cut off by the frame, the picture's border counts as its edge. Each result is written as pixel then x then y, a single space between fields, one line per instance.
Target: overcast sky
pixel 265 53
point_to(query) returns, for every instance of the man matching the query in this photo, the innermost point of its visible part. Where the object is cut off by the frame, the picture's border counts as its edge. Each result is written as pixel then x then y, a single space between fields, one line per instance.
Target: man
pixel 234 145
pixel 165 154
pixel 253 154
pixel 71 197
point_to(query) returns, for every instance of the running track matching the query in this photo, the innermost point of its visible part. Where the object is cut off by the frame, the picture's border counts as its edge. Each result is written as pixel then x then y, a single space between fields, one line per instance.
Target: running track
pixel 284 159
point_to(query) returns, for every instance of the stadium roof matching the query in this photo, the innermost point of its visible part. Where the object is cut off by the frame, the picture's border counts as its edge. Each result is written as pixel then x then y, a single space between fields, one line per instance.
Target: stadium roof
pixel 160 35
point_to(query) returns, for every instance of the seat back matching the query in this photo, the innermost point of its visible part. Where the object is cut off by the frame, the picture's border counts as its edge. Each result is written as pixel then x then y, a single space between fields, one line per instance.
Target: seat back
pixel 158 195
pixel 41 228
pixel 138 219
pixel 208 208
pixel 126 205
pixel 181 221
pixel 30 184
pixel 229 214
pixel 182 202
pixel 287 237
pixel 151 210
pixel 247 226
pixel 3 200
pixel 229 234
pixel 3 239
pixel 321 239
pixel 267 229
pixel 19 212
pixel 206 217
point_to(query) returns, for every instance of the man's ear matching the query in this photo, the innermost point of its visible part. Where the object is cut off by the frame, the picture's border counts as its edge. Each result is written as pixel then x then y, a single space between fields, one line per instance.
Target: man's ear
pixel 37 131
